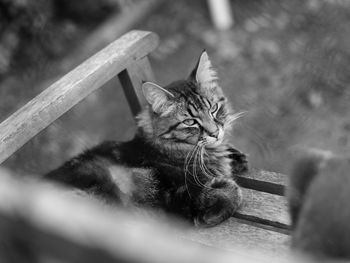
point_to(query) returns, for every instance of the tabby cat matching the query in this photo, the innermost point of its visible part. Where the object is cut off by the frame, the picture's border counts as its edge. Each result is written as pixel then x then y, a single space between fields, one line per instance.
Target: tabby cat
pixel 179 159
pixel 319 195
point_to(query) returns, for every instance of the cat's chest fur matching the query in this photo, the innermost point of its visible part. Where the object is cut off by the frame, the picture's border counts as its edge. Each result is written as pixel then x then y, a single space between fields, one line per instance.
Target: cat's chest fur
pixel 166 169
pixel 171 163
pixel 185 166
pixel 218 160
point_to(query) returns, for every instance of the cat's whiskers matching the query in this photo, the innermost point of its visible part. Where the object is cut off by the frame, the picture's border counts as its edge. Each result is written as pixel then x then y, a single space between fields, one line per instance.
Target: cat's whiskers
pixel 186 165
pixel 205 170
pixel 193 154
pixel 188 160
pixel 198 159
pixel 190 155
pixel 233 117
pixel 195 167
pixel 201 162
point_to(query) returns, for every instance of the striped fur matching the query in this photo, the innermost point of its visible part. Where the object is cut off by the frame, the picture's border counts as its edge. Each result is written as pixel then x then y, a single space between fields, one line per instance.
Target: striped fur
pixel 179 159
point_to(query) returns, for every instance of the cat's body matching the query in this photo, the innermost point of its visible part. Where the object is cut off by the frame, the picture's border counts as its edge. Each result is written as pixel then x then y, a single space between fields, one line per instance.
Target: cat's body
pixel 179 159
pixel 319 196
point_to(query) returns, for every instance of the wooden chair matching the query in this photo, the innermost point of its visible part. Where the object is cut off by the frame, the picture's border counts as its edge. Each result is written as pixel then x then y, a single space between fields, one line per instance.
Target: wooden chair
pixel 262 223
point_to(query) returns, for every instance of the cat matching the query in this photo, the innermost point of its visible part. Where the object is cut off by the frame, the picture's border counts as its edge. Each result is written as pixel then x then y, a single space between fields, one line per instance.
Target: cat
pixel 179 160
pixel 319 195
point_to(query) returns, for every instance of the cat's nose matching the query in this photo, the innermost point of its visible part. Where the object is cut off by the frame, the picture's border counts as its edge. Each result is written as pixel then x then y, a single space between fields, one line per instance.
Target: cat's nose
pixel 214 134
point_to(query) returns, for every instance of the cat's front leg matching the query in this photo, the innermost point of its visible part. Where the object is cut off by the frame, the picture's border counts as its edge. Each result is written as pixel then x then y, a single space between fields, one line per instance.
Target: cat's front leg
pixel 227 161
pixel 219 200
pixel 239 160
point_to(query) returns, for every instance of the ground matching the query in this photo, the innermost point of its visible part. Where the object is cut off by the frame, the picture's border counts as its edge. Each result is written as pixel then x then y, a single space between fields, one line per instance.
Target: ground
pixel 284 63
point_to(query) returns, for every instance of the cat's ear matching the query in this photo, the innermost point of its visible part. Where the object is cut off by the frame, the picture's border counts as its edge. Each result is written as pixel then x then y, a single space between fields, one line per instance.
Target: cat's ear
pixel 157 96
pixel 204 73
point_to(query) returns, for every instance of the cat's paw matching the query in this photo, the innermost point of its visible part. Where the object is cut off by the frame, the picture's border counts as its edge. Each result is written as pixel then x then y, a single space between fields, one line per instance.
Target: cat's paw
pixel 218 201
pixel 239 160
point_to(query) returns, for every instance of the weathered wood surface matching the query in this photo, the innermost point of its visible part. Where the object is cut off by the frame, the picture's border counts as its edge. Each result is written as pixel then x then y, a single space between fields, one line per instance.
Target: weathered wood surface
pixel 38 113
pixel 265 181
pixel 236 233
pixel 49 223
pixel 132 79
pixel 262 223
pixel 264 208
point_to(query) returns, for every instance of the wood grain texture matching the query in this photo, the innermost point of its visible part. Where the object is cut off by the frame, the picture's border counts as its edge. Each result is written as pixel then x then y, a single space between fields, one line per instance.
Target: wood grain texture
pixel 235 233
pixel 38 113
pixel 264 208
pixel 265 181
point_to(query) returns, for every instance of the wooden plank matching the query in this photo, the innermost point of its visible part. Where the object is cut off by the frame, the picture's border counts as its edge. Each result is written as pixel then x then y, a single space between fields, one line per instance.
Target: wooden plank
pixel 38 113
pixel 264 208
pixel 235 233
pixel 132 78
pixel 35 216
pixel 265 181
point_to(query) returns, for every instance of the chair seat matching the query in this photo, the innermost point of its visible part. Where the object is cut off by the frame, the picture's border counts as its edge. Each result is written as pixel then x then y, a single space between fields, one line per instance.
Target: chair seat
pixel 262 222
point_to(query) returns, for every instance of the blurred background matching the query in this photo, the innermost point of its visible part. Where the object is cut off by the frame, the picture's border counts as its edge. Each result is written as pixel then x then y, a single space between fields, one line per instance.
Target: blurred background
pixel 286 64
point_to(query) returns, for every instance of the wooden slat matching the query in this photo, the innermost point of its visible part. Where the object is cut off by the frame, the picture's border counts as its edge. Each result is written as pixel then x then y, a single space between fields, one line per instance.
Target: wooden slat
pixel 265 181
pixel 38 113
pixel 235 233
pixel 264 208
pixel 132 78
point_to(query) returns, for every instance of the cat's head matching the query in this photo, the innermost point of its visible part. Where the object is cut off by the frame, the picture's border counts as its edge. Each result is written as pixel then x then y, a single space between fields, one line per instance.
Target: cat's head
pixel 188 112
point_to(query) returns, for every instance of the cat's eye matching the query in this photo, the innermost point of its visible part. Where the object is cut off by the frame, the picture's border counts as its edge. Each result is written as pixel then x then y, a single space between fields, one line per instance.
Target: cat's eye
pixel 189 122
pixel 214 108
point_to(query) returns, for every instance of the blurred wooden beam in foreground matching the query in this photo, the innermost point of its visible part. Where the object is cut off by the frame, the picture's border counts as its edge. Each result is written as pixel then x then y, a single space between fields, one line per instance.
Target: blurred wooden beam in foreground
pixel 43 223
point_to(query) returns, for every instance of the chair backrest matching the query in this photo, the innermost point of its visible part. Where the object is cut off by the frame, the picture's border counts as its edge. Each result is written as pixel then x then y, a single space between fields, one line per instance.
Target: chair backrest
pixel 125 58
